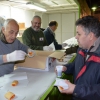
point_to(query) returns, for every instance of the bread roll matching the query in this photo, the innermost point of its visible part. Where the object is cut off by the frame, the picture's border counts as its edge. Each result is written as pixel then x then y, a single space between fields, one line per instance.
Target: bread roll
pixel 61 88
pixel 14 83
pixel 9 95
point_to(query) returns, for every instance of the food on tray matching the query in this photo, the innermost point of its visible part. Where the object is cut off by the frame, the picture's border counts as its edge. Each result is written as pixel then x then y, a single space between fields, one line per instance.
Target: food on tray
pixel 14 83
pixel 31 53
pixel 60 60
pixel 61 88
pixel 9 95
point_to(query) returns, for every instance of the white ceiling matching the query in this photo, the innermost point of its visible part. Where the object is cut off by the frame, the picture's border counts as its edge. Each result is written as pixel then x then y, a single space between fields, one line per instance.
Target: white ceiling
pixel 52 6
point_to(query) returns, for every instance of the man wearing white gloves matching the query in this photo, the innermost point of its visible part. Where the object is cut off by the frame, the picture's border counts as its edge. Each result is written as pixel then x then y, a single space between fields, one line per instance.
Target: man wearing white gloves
pixel 50 35
pixel 11 49
pixel 34 37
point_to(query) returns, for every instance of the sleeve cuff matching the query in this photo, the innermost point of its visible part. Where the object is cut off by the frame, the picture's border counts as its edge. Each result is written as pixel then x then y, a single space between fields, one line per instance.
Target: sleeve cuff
pixel 1 59
pixel 76 91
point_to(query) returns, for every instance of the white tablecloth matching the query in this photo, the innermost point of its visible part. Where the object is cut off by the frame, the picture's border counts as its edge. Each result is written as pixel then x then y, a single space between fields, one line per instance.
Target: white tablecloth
pixel 39 82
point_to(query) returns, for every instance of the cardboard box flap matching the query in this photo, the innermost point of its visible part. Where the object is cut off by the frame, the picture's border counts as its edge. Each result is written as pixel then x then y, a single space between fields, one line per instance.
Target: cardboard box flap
pixel 41 60
pixel 54 54
pixel 57 55
pixel 43 53
pixel 34 62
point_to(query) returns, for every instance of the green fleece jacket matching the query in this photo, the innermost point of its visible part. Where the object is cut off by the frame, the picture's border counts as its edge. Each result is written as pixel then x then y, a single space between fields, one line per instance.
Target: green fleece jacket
pixel 35 40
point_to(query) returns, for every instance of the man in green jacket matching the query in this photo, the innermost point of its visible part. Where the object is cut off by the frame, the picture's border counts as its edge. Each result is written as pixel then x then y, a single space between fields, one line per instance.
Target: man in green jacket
pixel 34 37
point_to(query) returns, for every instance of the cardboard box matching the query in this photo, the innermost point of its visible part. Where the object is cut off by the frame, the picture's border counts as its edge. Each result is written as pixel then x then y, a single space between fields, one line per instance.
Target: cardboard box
pixel 42 60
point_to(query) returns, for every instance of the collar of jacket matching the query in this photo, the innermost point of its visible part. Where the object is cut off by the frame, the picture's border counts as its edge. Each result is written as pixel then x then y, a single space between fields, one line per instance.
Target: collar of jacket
pixel 48 28
pixel 3 39
pixel 95 48
pixel 96 45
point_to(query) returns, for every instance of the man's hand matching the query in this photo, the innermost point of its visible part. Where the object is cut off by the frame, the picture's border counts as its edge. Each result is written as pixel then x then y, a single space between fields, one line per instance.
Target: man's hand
pixel 16 56
pixel 64 45
pixel 63 69
pixel 70 89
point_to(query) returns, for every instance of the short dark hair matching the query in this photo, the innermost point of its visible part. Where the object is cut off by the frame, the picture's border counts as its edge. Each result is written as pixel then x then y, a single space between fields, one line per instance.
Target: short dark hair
pixel 89 24
pixel 53 23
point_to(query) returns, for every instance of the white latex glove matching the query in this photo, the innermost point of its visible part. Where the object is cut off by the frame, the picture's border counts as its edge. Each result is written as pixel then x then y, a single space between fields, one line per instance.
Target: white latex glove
pixel 16 56
pixel 47 48
pixel 64 45
pixel 50 48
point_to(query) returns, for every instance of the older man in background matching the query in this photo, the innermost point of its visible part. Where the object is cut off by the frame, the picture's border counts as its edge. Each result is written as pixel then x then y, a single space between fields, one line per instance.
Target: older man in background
pixel 11 49
pixel 50 35
pixel 34 37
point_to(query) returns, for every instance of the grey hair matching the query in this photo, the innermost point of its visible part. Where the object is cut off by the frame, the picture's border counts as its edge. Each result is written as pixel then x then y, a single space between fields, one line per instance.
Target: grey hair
pixel 36 16
pixel 7 21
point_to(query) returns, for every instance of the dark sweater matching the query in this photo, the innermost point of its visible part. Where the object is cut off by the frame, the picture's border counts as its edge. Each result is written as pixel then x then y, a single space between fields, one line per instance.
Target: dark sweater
pixel 35 40
pixel 51 38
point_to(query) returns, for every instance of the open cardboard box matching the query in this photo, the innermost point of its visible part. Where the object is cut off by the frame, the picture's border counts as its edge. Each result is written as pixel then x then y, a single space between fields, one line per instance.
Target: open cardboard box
pixel 42 60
